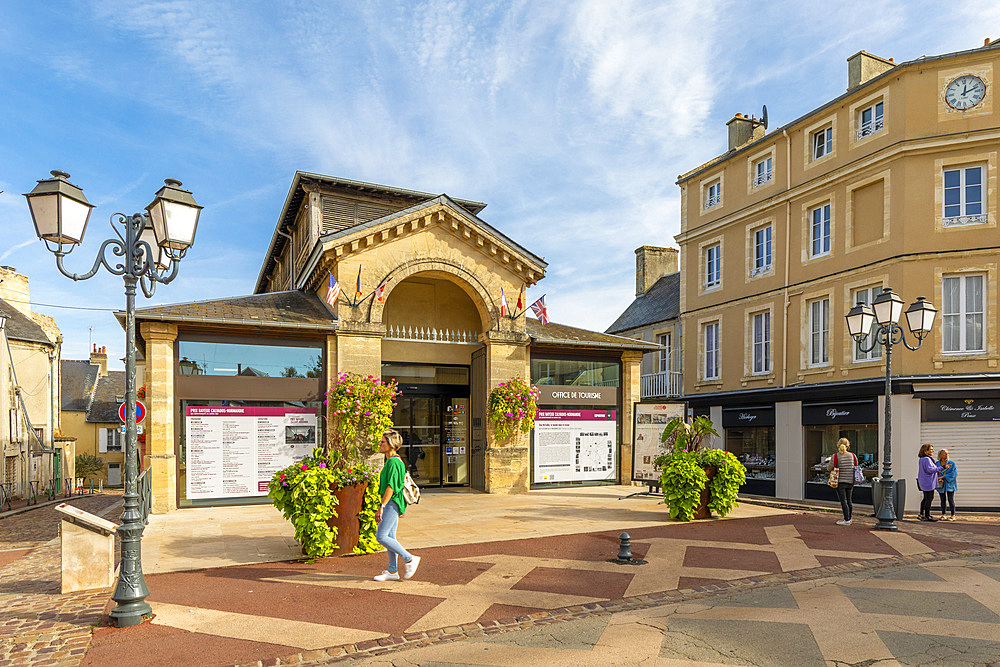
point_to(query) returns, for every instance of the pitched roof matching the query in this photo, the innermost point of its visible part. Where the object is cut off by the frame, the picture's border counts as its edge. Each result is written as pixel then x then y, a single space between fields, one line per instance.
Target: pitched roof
pixel 567 336
pixel 107 397
pixel 302 310
pixel 660 303
pixel 76 384
pixel 21 327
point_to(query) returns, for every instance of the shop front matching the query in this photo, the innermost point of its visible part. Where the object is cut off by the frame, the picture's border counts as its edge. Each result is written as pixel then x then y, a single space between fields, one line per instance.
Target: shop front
pixel 967 424
pixel 824 424
pixel 749 435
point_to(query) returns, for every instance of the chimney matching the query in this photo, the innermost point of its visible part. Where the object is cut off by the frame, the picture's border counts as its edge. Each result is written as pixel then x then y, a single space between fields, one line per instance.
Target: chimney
pixel 14 289
pixel 743 130
pixel 863 67
pixel 651 264
pixel 99 358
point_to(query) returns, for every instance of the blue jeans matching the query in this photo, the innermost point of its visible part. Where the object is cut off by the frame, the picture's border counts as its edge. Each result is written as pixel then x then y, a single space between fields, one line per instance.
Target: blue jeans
pixel 386 535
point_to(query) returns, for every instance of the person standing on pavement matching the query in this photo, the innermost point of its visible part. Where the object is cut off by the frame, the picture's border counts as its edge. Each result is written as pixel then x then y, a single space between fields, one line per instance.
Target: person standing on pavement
pixel 947 483
pixel 927 474
pixel 390 488
pixel 845 462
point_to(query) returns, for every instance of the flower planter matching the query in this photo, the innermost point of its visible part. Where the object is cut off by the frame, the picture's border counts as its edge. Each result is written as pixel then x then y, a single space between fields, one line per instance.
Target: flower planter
pixel 703 512
pixel 349 502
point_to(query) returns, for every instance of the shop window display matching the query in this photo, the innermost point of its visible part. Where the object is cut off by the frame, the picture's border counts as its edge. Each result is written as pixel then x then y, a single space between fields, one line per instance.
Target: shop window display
pixel 821 444
pixel 754 447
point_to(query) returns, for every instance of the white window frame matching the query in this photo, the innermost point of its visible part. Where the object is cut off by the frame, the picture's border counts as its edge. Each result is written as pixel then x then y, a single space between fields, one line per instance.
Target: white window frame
pixel 710 343
pixel 763 246
pixel 713 194
pixel 965 316
pixel 761 331
pixel 763 171
pixel 822 142
pixel 866 295
pixel 713 268
pixel 963 217
pixel 874 124
pixel 825 224
pixel 819 332
pixel 663 358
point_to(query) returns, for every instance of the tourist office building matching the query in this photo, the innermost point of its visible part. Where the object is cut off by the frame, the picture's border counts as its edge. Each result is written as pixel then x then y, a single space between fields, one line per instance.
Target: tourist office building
pixel 891 185
pixel 235 387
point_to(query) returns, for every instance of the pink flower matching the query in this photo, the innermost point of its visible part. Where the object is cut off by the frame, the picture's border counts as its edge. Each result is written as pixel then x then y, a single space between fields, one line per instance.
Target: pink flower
pixel 322 465
pixel 305 467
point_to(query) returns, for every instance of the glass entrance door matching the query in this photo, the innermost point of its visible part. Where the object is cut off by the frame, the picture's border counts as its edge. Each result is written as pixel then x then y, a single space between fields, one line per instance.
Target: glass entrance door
pixel 435 438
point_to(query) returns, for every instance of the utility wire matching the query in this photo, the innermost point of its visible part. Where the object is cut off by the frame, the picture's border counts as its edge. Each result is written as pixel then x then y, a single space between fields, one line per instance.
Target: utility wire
pixel 56 305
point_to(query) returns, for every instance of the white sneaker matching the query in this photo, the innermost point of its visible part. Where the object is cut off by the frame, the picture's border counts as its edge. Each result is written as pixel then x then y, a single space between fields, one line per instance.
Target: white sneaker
pixel 843 522
pixel 410 569
pixel 387 576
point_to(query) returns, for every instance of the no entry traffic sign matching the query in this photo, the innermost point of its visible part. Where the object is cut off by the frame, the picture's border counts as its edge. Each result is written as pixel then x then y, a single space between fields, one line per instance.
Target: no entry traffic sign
pixel 140 411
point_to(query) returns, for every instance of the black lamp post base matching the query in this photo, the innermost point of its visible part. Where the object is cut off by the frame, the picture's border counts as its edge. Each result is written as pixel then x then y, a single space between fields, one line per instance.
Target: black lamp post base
pixel 886 524
pixel 127 615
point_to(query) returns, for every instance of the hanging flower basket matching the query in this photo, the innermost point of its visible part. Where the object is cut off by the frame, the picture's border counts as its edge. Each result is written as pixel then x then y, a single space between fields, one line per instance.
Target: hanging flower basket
pixel 512 407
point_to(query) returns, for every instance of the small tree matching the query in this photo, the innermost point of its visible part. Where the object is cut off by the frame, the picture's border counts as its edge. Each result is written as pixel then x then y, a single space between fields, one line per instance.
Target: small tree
pixel 88 465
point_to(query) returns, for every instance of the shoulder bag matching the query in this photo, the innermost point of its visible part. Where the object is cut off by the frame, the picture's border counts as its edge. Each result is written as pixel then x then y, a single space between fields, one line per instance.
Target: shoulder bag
pixel 834 477
pixel 859 474
pixel 411 492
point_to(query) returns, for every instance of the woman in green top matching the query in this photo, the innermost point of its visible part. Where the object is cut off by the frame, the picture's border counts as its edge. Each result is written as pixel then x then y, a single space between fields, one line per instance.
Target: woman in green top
pixel 390 487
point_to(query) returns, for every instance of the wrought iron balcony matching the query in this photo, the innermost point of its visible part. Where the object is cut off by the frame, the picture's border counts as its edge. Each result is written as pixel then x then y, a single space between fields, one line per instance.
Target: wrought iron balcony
pixel 763 177
pixel 713 200
pixel 665 384
pixel 959 220
pixel 869 128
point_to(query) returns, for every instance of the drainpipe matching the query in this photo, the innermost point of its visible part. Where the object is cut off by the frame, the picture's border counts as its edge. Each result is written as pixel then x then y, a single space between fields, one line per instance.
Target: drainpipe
pixel 788 234
pixel 291 257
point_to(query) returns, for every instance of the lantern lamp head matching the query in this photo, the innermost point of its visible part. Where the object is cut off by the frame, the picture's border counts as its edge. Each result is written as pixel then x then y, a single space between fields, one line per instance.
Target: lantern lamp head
pixel 859 321
pixel 59 210
pixel 174 213
pixel 920 317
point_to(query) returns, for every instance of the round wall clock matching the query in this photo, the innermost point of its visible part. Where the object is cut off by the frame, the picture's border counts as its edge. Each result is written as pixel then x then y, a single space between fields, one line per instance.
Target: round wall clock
pixel 965 92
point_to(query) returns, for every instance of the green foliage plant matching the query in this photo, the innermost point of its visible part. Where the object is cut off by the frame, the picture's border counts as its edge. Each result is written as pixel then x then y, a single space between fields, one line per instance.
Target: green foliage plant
pixel 683 470
pixel 302 493
pixel 367 543
pixel 512 407
pixel 360 410
pixel 88 465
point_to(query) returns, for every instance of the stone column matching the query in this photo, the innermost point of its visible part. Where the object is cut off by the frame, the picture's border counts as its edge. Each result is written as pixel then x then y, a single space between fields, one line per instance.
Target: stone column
pixel 160 459
pixel 507 463
pixel 630 384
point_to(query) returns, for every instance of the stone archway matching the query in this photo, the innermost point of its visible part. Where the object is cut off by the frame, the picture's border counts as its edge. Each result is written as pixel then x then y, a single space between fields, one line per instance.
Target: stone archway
pixel 437 267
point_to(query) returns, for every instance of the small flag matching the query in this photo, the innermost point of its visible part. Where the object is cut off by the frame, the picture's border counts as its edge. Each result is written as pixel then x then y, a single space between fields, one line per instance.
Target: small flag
pixel 332 291
pixel 520 300
pixel 357 288
pixel 540 311
pixel 380 292
pixel 503 304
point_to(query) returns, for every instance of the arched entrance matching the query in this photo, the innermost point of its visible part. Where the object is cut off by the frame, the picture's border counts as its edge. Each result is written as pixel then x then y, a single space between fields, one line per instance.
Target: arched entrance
pixel 433 328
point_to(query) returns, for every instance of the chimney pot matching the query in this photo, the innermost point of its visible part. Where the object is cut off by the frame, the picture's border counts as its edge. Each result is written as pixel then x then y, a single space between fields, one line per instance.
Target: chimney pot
pixel 986 42
pixel 651 264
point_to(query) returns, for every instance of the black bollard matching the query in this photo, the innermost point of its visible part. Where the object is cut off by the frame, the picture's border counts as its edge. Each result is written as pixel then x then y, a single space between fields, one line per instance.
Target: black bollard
pixel 625 552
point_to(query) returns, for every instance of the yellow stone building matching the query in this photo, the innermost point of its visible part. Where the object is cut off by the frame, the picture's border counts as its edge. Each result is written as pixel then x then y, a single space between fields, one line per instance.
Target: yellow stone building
pixel 891 185
pixel 422 280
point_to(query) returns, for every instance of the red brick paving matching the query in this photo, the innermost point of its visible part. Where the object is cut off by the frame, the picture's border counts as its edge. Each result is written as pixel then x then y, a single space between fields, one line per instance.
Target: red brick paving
pixel 607 585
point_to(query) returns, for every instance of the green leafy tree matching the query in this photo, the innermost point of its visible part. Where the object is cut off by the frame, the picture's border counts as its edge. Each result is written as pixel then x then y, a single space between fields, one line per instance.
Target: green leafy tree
pixel 88 465
pixel 290 372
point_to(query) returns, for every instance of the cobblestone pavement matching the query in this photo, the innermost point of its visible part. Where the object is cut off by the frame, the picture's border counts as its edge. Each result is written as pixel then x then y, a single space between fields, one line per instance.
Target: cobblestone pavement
pixel 38 625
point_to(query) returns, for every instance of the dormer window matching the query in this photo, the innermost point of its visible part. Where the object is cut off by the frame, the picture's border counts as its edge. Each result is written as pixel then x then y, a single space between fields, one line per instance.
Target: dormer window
pixel 713 194
pixel 870 120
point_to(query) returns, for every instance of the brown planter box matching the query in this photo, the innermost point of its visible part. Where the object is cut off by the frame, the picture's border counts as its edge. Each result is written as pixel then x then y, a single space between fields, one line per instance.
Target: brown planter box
pixel 703 512
pixel 349 502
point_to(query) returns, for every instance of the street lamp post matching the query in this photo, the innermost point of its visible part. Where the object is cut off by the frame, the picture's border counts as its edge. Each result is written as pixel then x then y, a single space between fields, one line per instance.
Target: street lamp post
pixel 885 311
pixel 152 242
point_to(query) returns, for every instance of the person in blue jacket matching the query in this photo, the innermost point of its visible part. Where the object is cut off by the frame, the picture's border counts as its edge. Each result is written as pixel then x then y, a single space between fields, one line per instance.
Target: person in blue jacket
pixel 927 476
pixel 948 483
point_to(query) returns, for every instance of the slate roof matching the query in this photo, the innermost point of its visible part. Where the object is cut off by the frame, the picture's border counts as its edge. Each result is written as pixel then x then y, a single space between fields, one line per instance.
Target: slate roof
pixel 303 310
pixel 104 407
pixel 21 327
pixel 660 303
pixel 76 384
pixel 567 336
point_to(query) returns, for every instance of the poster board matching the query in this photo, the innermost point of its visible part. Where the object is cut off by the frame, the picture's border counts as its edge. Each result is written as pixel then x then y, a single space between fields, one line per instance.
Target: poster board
pixel 232 452
pixel 649 420
pixel 575 445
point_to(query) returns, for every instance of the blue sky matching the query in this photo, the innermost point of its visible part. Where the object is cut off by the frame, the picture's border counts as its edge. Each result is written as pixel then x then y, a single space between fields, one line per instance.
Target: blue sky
pixel 571 120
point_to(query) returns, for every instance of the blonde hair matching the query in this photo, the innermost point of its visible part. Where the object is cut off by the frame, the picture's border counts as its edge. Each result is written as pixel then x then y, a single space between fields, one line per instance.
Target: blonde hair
pixel 943 453
pixel 843 445
pixel 394 439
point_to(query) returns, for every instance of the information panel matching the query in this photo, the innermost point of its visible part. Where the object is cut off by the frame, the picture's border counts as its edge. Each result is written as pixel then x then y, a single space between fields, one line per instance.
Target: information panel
pixel 575 445
pixel 232 452
pixel 650 420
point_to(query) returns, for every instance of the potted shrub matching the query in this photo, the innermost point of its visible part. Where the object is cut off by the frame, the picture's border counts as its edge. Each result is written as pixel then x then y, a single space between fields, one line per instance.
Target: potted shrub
pixel 328 496
pixel 697 482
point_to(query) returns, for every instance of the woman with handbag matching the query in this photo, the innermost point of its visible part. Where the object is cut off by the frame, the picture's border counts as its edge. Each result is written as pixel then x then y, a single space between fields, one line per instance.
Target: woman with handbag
pixel 927 477
pixel 947 483
pixel 844 467
pixel 390 486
